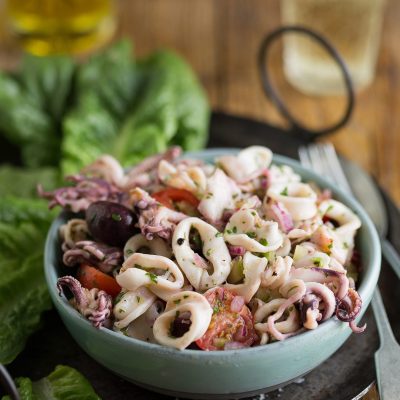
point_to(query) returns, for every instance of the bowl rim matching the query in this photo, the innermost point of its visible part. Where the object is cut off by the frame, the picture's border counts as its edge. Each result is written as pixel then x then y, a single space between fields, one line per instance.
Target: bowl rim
pixel 366 288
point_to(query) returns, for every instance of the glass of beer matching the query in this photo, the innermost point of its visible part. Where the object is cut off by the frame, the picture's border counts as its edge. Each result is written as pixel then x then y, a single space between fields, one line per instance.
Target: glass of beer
pixel 61 26
pixel 352 26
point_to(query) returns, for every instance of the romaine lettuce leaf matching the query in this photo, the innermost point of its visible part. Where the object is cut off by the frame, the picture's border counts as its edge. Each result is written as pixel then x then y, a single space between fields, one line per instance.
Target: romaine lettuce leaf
pixel 23 182
pixel 48 82
pixel 26 125
pixel 64 383
pixel 23 291
pixel 110 77
pixel 164 105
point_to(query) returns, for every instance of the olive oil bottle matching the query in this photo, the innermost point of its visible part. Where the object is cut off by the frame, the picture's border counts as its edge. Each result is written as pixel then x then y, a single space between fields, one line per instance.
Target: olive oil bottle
pixel 61 26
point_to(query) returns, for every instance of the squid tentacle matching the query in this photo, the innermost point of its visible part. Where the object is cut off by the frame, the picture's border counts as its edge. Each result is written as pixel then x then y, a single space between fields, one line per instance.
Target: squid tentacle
pixel 94 304
pixel 348 308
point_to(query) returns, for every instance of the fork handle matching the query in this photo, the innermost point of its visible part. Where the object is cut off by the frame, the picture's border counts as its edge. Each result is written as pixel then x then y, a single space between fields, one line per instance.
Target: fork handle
pixel 391 256
pixel 386 336
pixel 387 356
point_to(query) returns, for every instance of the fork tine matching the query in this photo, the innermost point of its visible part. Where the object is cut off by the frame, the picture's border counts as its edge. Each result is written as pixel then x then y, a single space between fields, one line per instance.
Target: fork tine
pixel 322 158
pixel 304 157
pixel 336 167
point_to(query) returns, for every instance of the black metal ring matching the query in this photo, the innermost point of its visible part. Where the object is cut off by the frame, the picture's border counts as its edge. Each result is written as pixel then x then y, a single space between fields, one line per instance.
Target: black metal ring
pixel 273 95
pixel 8 384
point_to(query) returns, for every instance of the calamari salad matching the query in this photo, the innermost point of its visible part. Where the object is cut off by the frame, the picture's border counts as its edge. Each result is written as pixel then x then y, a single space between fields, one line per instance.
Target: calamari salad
pixel 214 257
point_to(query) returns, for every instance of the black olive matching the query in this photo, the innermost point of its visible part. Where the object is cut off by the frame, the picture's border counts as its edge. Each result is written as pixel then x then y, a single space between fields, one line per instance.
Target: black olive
pixel 111 223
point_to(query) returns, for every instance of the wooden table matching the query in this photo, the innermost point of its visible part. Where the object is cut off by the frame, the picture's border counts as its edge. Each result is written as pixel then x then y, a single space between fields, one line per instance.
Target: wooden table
pixel 220 38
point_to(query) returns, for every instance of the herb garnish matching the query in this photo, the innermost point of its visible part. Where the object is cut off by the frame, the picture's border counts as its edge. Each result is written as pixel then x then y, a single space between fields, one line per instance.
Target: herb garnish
pixel 153 277
pixel 251 235
pixel 116 217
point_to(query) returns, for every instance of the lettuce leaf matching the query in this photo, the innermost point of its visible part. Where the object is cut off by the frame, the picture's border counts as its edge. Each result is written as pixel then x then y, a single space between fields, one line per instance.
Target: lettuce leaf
pixel 23 182
pixel 23 291
pixel 64 383
pixel 164 105
pixel 172 109
pixel 26 125
pixel 48 82
pixel 110 77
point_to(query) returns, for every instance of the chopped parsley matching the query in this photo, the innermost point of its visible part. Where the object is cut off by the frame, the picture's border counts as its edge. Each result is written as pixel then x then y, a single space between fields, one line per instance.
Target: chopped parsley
pixel 125 331
pixel 264 242
pixel 251 235
pixel 116 217
pixel 128 252
pixel 138 298
pixel 330 208
pixel 218 234
pixel 177 301
pixel 284 192
pixel 209 251
pixel 345 245
pixel 253 213
pixel 209 195
pixel 152 277
pixel 118 298
pixel 234 229
pixel 218 306
pixel 317 261
pixel 185 296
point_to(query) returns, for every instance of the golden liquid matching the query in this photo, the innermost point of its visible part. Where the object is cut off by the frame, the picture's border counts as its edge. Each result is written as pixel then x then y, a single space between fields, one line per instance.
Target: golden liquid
pixel 61 26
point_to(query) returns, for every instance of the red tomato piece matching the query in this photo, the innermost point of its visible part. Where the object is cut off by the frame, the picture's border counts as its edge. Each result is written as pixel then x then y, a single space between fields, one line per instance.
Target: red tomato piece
pixel 228 329
pixel 168 196
pixel 90 277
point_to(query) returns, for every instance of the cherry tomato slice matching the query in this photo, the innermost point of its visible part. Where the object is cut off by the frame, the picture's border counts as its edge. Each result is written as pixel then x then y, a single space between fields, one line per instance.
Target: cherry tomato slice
pixel 228 329
pixel 91 277
pixel 168 196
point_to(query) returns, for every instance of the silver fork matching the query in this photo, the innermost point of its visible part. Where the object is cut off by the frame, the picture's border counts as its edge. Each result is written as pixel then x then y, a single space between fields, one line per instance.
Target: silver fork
pixel 323 159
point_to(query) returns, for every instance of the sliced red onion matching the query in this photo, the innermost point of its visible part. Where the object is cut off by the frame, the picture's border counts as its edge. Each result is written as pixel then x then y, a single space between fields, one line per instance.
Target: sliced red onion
pixel 241 334
pixel 237 304
pixel 234 346
pixel 236 250
pixel 199 261
pixel 282 216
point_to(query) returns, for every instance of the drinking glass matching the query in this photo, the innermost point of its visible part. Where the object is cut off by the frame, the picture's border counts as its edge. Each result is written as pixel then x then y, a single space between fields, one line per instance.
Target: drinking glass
pixel 352 26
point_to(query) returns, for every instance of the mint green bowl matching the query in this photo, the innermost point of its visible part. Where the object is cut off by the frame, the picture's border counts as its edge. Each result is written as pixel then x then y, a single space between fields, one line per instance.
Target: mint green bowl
pixel 227 374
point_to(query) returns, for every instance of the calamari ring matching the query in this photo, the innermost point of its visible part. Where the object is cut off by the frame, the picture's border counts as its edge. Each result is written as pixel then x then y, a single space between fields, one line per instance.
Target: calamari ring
pixel 200 317
pixel 214 249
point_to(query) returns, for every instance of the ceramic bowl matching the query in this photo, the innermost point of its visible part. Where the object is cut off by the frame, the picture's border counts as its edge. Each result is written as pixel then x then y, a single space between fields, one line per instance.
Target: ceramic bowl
pixel 225 374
